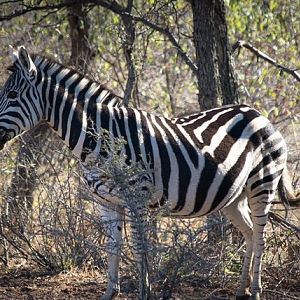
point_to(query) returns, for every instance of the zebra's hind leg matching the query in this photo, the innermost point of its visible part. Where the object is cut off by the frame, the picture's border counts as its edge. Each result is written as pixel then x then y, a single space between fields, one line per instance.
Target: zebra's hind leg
pixel 238 213
pixel 113 223
pixel 260 206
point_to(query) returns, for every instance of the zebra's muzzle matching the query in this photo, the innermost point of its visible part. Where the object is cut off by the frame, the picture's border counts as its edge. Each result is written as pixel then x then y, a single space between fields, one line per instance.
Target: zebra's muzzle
pixel 4 137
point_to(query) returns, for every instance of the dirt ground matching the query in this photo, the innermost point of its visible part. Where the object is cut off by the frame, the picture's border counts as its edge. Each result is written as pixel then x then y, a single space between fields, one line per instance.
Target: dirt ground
pixel 71 285
pixel 28 285
pixel 64 286
pixel 89 285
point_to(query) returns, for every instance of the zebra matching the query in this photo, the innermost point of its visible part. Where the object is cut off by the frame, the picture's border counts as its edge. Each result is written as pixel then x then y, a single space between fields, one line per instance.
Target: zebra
pixel 229 158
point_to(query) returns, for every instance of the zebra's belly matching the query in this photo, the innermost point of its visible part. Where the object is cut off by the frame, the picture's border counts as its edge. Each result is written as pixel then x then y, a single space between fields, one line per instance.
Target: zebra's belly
pixel 197 206
pixel 204 194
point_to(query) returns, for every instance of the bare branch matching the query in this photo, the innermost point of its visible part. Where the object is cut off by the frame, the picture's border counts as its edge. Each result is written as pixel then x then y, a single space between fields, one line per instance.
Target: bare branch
pixel 283 222
pixel 116 8
pixel 260 54
pixel 10 2
pixel 113 6
pixel 26 9
pixel 171 38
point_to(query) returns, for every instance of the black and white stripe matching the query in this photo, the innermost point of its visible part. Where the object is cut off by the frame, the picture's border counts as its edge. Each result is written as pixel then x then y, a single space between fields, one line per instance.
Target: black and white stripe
pixel 228 158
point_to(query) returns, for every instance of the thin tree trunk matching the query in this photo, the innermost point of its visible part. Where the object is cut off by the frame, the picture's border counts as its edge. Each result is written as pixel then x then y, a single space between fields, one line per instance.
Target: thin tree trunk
pixel 206 54
pixel 228 84
pixel 81 50
pixel 128 44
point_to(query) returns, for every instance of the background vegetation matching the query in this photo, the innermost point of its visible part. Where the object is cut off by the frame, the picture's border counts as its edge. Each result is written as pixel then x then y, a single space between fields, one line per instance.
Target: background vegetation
pixel 49 222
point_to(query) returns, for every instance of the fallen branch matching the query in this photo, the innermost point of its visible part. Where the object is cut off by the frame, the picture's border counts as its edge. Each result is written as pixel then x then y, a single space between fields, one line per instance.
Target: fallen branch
pixel 239 44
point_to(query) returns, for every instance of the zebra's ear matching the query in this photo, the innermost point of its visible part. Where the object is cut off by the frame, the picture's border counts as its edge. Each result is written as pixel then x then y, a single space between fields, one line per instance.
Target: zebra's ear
pixel 13 53
pixel 23 60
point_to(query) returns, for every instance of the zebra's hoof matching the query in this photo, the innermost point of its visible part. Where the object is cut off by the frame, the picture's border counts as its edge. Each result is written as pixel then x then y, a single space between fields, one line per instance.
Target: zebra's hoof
pixel 255 297
pixel 109 295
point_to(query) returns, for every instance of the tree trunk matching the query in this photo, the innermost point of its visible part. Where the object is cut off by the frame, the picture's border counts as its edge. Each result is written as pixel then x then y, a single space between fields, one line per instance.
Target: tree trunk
pixel 81 50
pixel 216 81
pixel 206 54
pixel 215 74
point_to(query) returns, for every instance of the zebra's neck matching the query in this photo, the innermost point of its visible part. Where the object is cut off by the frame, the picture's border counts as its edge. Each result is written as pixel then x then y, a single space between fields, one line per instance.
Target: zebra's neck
pixel 72 102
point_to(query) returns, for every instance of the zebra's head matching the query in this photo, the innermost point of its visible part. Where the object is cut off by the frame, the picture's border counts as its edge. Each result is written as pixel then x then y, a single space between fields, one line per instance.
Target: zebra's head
pixel 20 106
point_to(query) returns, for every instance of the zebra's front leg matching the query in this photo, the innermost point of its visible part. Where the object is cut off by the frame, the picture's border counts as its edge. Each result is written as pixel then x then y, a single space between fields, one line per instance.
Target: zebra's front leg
pixel 137 217
pixel 113 223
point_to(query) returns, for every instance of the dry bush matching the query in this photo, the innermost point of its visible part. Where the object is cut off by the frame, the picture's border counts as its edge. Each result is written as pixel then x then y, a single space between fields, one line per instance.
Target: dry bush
pixel 56 230
pixel 62 230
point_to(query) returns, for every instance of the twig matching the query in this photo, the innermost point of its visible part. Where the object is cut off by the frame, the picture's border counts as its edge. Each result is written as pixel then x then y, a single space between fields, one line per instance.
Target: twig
pixel 283 222
pixel 10 1
pixel 280 293
pixel 260 54
pixel 26 9
pixel 171 39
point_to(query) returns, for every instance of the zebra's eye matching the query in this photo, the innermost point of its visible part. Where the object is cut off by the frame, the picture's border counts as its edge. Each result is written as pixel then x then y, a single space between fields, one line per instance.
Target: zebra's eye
pixel 12 95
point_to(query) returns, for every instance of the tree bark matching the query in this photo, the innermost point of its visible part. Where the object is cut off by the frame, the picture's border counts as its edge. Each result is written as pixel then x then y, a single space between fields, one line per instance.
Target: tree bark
pixel 128 45
pixel 206 56
pixel 228 84
pixel 215 74
pixel 81 50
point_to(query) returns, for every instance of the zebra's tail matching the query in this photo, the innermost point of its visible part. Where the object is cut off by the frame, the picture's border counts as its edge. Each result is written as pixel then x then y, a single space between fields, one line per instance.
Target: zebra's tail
pixel 287 194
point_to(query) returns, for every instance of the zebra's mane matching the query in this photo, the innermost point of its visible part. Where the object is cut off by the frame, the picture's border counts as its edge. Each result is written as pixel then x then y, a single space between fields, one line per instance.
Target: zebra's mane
pixel 48 63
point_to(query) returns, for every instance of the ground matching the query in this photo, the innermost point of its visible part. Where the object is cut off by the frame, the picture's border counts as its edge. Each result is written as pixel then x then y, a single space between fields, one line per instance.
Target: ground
pixel 73 285
pixel 29 284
